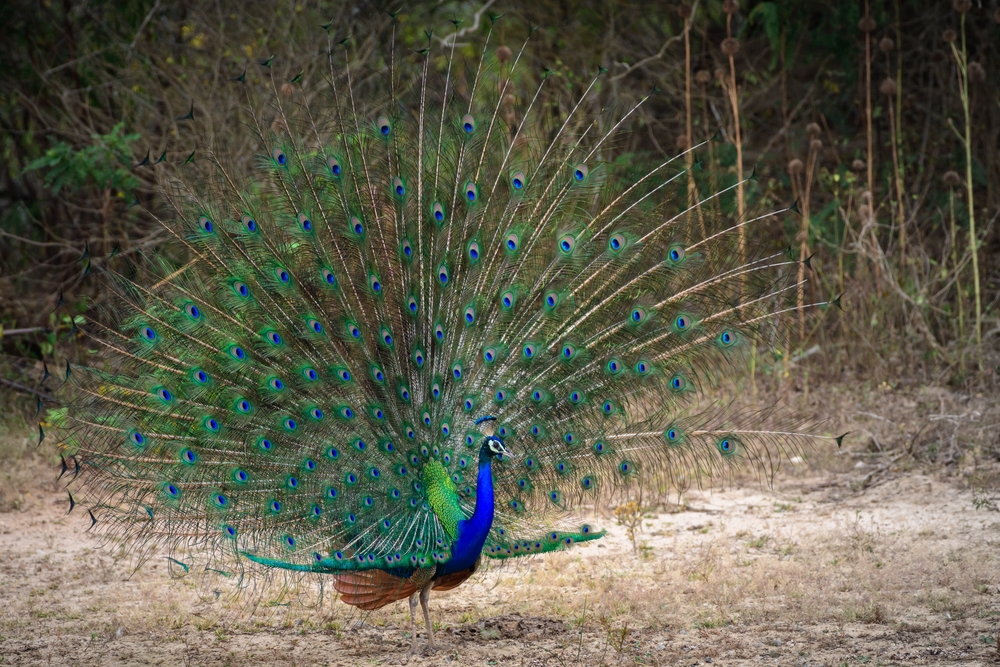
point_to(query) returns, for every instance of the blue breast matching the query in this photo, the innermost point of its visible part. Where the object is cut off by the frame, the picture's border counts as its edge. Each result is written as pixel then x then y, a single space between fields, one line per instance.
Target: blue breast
pixel 473 531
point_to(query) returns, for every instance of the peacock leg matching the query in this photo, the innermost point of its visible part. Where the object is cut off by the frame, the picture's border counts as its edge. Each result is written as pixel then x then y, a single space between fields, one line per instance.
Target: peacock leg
pixel 413 625
pixel 425 594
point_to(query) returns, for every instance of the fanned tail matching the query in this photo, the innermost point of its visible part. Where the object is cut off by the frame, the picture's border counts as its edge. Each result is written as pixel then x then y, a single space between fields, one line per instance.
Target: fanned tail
pixel 399 265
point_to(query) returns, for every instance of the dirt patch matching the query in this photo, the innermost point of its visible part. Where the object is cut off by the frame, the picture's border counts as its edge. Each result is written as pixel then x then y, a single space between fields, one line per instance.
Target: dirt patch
pixel 813 572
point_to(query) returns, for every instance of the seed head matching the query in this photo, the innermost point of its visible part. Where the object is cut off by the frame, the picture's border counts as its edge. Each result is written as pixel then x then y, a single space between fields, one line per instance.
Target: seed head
pixel 962 6
pixel 866 197
pixel 866 24
pixel 682 142
pixel 813 129
pixel 816 145
pixel 888 87
pixel 886 44
pixel 730 46
pixel 976 72
pixel 720 74
pixel 952 178
pixel 684 11
pixel 504 53
pixel 949 35
pixel 858 165
pixel 865 212
pixel 703 76
pixel 731 6
pixel 795 166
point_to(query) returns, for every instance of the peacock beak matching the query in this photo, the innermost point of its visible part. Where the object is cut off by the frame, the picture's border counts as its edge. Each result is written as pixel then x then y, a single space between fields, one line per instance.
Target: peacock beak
pixel 505 453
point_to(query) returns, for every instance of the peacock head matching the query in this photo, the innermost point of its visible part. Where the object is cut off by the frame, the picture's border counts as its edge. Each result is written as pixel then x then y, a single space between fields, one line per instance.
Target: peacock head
pixel 492 446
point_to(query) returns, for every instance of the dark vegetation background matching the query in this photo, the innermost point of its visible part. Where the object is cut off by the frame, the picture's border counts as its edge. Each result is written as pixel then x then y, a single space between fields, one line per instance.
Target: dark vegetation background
pixel 880 117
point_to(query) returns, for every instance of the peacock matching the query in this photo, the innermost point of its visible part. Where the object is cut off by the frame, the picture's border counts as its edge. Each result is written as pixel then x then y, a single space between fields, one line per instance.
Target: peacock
pixel 436 320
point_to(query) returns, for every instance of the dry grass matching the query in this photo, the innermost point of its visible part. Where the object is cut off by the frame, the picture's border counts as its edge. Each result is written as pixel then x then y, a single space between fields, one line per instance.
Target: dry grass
pixel 880 558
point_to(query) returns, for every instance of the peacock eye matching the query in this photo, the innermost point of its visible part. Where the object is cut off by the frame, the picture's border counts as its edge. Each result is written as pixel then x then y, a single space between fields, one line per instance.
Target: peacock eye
pixel 580 173
pixel 192 311
pixel 529 351
pixel 474 251
pixel 206 224
pixel 616 242
pixel 279 156
pixel 249 224
pixel 517 180
pixel 333 164
pixel 507 300
pixel 241 289
pixel 566 244
pixel 383 125
pixel 471 192
pixel 468 124
pixel 512 243
pixel 398 187
pixel 638 315
pixel 305 222
pixel 675 254
pixel 437 210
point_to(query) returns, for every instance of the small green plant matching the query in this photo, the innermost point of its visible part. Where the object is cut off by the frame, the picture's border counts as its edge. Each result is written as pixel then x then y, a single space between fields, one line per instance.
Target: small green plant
pixel 106 163
pixel 630 516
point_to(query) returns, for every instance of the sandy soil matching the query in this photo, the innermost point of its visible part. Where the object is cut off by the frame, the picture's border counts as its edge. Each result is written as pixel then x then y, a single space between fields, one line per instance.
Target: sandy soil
pixel 810 572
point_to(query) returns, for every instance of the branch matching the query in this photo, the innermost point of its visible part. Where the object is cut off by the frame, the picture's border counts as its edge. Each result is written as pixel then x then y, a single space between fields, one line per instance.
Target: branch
pixel 451 39
pixel 28 390
pixel 663 49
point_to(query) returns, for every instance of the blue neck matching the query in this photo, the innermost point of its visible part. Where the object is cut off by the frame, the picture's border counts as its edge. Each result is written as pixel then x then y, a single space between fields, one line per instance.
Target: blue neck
pixel 473 531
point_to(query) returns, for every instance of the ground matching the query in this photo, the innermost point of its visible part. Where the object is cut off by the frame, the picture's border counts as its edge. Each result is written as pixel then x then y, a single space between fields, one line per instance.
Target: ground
pixel 882 553
pixel 807 573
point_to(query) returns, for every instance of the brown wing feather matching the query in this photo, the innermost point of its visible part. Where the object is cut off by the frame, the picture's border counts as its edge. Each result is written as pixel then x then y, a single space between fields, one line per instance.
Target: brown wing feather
pixel 372 589
pixel 450 581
